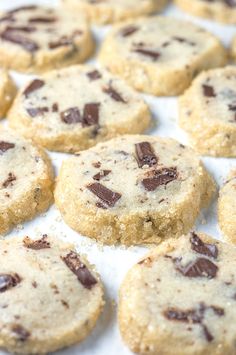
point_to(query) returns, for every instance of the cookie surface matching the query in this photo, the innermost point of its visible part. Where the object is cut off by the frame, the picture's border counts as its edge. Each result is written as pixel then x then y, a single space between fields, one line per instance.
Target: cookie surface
pixel 160 55
pixel 180 299
pixel 227 208
pixel 61 293
pixel 207 112
pixel 74 108
pixel 219 10
pixel 7 92
pixel 133 190
pixel 26 180
pixel 102 12
pixel 36 39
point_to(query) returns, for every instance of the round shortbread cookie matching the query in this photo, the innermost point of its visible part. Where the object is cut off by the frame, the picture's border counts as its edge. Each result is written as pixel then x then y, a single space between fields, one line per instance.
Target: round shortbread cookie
pixel 102 12
pixel 180 299
pixel 7 92
pixel 26 180
pixel 160 55
pixel 133 190
pixel 207 112
pixel 219 10
pixel 233 49
pixel 74 108
pixel 227 208
pixel 51 296
pixel 36 39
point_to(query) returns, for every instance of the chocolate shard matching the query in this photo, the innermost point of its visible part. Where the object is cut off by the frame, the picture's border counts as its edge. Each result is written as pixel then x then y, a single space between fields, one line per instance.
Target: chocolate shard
pixel 36 111
pixel 108 197
pixel 159 177
pixel 27 29
pixel 63 41
pixel 36 84
pixel 9 181
pixel 38 244
pixel 42 19
pixel 188 316
pixel 145 154
pixel 74 263
pixel 209 337
pixel 128 30
pixel 21 333
pixel 71 115
pixel 202 248
pixel 148 53
pixel 101 174
pixel 5 146
pixel 94 75
pixel 208 91
pixel 55 107
pixel 8 281
pixel 14 37
pixel 114 94
pixel 201 267
pixel 91 114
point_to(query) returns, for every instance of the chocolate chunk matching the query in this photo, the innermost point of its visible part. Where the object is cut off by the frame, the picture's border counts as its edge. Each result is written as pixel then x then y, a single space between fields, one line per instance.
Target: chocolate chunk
pixel 27 29
pixel 189 316
pixel 108 197
pixel 184 40
pixel 4 146
pixel 8 281
pixel 230 3
pixel 159 177
pixel 232 107
pixel 55 107
pixel 201 267
pixel 147 52
pixel 114 94
pixel 71 116
pixel 91 114
pixel 128 31
pixel 145 154
pixel 209 337
pixel 38 244
pixel 21 332
pixel 9 180
pixel 14 37
pixel 33 86
pixel 42 19
pixel 100 175
pixel 63 41
pixel 219 311
pixel 202 248
pixel 208 91
pixel 73 262
pixel 94 75
pixel 35 111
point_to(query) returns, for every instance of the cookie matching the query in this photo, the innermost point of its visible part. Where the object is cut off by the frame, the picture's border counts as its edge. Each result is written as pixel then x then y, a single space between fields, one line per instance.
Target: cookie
pixel 227 208
pixel 36 39
pixel 7 92
pixel 74 108
pixel 26 180
pixel 160 55
pixel 233 49
pixel 207 112
pixel 133 190
pixel 180 299
pixel 103 12
pixel 218 10
pixel 51 296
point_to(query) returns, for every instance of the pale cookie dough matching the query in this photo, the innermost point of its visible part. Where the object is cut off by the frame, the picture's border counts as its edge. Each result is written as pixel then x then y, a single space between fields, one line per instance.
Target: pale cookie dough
pixel 160 55
pixel 233 49
pixel 74 108
pixel 26 180
pixel 207 112
pixel 36 39
pixel 7 92
pixel 227 208
pixel 180 299
pixel 218 10
pixel 133 190
pixel 51 296
pixel 108 11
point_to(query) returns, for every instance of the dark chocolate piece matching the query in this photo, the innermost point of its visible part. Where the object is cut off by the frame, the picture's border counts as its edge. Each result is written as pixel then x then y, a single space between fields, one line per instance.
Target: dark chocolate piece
pixel 208 91
pixel 201 267
pixel 14 37
pixel 159 177
pixel 33 86
pixel 35 111
pixel 5 146
pixel 94 75
pixel 9 180
pixel 114 94
pixel 21 332
pixel 41 19
pixel 101 174
pixel 91 114
pixel 202 248
pixel 8 281
pixel 145 154
pixel 128 31
pixel 108 197
pixel 71 116
pixel 148 53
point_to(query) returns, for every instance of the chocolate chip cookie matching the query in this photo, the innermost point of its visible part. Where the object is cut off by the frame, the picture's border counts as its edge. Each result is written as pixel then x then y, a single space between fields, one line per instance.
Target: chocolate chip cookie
pixel 51 296
pixel 207 111
pixel 133 190
pixel 7 92
pixel 180 299
pixel 72 109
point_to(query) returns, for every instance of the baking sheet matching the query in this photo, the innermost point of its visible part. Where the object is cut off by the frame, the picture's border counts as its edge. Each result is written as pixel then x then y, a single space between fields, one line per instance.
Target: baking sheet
pixel 113 262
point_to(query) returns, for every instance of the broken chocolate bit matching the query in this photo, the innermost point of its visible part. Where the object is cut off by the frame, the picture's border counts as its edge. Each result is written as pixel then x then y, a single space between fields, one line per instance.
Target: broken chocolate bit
pixel 108 197
pixel 74 263
pixel 94 75
pixel 128 30
pixel 7 281
pixel 91 114
pixel 14 37
pixel 71 115
pixel 100 175
pixel 188 316
pixel 159 177
pixel 55 107
pixel 22 333
pixel 147 52
pixel 35 111
pixel 34 85
pixel 38 244
pixel 21 28
pixel 63 41
pixel 9 181
pixel 4 146
pixel 114 94
pixel 208 91
pixel 145 154
pixel 200 267
pixel 42 19
pixel 203 248
pixel 209 337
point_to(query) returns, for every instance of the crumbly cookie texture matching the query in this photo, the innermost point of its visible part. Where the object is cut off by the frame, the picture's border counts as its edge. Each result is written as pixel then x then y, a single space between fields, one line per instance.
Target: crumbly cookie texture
pixel 180 299
pixel 227 208
pixel 103 12
pixel 133 190
pixel 51 296
pixel 7 92
pixel 26 180
pixel 233 49
pixel 207 112
pixel 36 39
pixel 74 108
pixel 218 10
pixel 160 55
